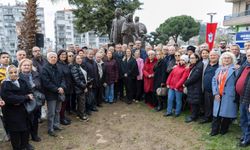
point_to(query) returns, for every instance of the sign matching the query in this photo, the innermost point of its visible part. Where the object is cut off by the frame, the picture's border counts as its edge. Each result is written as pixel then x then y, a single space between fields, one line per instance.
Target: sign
pixel 210 34
pixel 242 37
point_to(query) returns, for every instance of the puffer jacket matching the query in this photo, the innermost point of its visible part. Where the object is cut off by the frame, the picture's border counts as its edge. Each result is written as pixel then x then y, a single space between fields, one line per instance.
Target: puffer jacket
pixel 78 79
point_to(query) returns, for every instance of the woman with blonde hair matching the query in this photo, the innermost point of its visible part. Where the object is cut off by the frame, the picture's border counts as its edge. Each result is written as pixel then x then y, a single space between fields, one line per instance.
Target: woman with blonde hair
pixel 33 80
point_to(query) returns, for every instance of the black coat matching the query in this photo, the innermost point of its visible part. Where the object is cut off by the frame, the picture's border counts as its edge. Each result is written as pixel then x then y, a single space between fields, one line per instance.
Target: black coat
pixel 52 79
pixel 65 69
pixel 14 112
pixel 92 71
pixel 36 80
pixel 130 68
pixel 118 57
pixel 194 84
pixel 78 79
pixel 160 74
pixel 39 64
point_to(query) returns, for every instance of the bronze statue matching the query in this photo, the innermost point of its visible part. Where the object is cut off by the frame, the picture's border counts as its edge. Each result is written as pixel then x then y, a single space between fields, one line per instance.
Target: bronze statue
pixel 128 30
pixel 116 35
pixel 141 30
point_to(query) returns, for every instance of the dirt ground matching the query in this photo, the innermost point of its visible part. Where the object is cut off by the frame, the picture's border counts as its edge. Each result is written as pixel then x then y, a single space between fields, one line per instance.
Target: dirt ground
pixel 122 127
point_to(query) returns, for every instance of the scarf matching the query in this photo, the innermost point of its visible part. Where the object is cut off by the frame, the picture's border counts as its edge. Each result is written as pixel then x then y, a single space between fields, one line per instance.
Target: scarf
pixel 84 74
pixel 222 76
pixel 100 71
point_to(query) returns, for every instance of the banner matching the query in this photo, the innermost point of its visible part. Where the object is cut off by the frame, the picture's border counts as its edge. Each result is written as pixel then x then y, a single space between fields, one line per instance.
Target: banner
pixel 210 34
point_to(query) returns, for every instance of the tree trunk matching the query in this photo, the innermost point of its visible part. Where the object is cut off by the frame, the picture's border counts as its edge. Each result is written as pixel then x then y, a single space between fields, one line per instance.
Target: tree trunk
pixel 28 28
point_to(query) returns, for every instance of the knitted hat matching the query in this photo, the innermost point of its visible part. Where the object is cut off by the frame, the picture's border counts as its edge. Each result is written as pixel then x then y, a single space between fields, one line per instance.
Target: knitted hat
pixel 191 48
pixel 185 58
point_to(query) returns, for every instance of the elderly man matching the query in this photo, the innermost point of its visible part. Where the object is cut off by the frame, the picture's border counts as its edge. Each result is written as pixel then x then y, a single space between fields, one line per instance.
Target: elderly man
pixel 235 49
pixel 20 55
pixel 143 53
pixel 207 85
pixel 93 73
pixel 54 85
pixel 38 60
pixel 101 70
pixel 119 86
pixel 243 91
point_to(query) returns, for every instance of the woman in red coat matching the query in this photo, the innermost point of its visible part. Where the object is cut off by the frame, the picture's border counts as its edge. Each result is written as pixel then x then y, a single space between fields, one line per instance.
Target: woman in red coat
pixel 175 82
pixel 148 75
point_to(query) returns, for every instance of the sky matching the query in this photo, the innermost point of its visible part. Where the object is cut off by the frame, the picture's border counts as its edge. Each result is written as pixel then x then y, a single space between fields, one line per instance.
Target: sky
pixel 153 13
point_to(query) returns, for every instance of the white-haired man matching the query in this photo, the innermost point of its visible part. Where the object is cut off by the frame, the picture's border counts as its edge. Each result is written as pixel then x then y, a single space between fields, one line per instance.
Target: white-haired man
pixel 207 85
pixel 54 85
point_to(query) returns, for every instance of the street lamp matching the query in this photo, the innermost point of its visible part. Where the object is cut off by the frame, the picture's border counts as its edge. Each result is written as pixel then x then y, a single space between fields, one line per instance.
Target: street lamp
pixel 211 16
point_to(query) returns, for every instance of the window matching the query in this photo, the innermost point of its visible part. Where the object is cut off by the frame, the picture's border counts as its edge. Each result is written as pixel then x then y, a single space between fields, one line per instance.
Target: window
pixel 248 7
pixel 68 27
pixel 68 33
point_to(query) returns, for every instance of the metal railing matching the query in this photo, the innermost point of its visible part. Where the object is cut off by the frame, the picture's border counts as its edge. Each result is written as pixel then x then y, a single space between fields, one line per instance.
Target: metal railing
pixel 229 17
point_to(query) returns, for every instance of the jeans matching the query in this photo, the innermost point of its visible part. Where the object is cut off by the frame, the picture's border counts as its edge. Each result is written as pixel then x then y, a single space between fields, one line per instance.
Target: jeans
pixel 109 93
pixel 54 107
pixel 177 96
pixel 245 121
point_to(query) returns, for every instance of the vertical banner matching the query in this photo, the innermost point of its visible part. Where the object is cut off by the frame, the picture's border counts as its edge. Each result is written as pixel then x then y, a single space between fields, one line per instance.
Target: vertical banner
pixel 210 34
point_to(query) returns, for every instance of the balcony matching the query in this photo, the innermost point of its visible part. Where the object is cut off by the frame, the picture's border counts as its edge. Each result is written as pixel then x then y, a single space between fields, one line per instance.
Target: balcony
pixel 231 1
pixel 242 18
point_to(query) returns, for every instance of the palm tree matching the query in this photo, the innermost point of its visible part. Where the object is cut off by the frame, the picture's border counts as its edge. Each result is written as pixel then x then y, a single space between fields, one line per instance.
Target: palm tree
pixel 28 28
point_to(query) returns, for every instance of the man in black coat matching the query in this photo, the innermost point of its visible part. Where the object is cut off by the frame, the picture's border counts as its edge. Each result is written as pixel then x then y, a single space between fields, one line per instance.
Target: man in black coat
pixel 119 85
pixel 54 85
pixel 93 74
pixel 38 60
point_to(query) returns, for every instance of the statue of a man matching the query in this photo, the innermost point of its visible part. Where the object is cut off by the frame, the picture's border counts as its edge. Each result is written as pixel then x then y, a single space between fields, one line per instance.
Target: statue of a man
pixel 141 30
pixel 128 30
pixel 115 35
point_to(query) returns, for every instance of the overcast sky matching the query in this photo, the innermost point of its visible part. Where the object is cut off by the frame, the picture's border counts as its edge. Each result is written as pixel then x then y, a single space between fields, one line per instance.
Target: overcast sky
pixel 153 13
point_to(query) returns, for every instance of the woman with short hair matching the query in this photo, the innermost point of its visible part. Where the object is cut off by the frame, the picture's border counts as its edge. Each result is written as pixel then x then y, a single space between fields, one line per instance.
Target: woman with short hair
pixel 194 84
pixel 148 75
pixel 15 92
pixel 33 80
pixel 129 73
pixel 223 84
pixel 80 79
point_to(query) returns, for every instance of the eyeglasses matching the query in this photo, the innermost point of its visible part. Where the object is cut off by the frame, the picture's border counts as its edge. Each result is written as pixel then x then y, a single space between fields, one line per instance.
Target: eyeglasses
pixel 70 55
pixel 177 55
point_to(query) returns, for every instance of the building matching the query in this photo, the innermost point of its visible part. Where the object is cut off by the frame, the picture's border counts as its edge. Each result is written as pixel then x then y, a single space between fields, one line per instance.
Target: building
pixel 240 17
pixel 10 16
pixel 66 34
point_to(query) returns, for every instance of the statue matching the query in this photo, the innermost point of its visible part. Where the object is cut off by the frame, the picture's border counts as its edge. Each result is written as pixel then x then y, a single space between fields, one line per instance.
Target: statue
pixel 141 30
pixel 115 35
pixel 128 30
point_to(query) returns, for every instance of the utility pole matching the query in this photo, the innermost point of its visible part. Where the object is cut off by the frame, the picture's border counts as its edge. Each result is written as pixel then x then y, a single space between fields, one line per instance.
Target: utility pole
pixel 211 16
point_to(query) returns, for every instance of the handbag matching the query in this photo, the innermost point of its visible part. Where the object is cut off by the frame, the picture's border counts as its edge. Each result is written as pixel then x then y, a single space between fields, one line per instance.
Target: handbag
pixel 185 90
pixel 40 98
pixel 30 106
pixel 161 91
pixel 61 97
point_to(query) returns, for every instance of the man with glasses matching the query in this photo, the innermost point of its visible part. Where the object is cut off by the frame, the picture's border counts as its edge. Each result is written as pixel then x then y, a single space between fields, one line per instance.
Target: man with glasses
pixel 243 94
pixel 235 49
pixel 38 60
pixel 20 55
pixel 143 53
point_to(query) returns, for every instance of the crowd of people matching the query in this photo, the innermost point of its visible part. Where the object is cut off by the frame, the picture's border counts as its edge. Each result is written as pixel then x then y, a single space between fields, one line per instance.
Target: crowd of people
pixel 214 84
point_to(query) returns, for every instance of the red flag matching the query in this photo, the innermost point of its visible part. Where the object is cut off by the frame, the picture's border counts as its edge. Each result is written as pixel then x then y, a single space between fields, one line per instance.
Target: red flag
pixel 210 34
